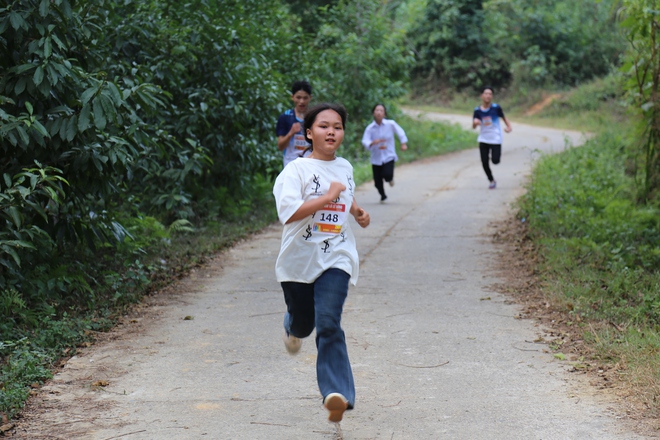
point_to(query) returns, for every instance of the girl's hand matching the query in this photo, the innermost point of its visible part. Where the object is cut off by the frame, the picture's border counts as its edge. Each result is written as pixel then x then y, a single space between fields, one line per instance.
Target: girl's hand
pixel 335 189
pixel 362 217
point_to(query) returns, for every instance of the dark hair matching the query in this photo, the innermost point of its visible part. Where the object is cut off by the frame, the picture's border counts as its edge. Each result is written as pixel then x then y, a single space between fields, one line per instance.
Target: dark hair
pixel 301 85
pixel 311 115
pixel 374 109
pixel 484 88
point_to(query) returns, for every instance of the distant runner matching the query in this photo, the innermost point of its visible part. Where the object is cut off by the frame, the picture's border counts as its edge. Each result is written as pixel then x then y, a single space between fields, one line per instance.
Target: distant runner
pixel 488 116
pixel 290 136
pixel 378 138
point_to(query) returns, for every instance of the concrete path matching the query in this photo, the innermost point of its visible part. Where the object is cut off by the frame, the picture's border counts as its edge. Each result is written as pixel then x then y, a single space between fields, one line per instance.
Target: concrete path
pixel 436 353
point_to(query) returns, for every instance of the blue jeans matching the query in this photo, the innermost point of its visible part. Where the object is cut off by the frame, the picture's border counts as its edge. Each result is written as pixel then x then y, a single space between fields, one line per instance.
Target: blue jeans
pixel 320 305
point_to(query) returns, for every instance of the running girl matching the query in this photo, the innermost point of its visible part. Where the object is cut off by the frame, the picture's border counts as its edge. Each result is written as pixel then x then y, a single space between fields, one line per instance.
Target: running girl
pixel 318 256
pixel 378 138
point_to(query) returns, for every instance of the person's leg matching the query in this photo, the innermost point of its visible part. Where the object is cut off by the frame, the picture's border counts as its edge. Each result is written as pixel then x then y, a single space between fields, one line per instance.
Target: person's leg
pixel 378 180
pixel 333 368
pixel 299 316
pixel 496 153
pixel 484 149
pixel 388 171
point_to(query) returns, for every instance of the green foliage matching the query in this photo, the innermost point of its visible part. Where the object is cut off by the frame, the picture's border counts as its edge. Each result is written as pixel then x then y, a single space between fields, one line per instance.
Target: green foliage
pixel 641 25
pixel 361 62
pixel 601 253
pixel 60 107
pixel 455 47
pixel 550 42
pixel 601 98
pixel 28 201
pixel 471 43
pixel 24 366
pixel 221 71
pixel 308 12
pixel 603 248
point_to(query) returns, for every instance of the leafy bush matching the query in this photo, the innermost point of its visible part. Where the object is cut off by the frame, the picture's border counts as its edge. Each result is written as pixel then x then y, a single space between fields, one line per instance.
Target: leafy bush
pixel 642 70
pixel 552 43
pixel 28 201
pixel 515 43
pixel 604 247
pixel 60 108
pixel 455 49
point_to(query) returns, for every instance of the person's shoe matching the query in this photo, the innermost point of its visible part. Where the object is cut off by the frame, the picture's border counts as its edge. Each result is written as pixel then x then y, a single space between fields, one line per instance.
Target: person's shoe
pixel 382 199
pixel 492 185
pixel 292 343
pixel 392 182
pixel 336 404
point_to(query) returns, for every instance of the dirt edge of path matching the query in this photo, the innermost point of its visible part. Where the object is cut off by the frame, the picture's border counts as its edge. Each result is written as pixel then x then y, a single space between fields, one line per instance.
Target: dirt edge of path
pixel 517 265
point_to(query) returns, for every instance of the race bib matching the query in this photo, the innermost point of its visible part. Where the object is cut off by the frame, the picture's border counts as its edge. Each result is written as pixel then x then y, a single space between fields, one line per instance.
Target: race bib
pixel 487 121
pixel 382 146
pixel 299 142
pixel 330 219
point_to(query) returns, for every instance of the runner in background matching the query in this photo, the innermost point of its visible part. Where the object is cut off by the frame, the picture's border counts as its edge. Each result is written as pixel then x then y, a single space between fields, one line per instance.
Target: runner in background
pixel 487 116
pixel 318 255
pixel 378 138
pixel 290 136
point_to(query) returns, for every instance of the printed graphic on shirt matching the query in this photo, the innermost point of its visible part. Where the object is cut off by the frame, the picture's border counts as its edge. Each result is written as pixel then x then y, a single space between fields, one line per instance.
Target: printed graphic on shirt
pixel 317 183
pixel 331 219
pixel 487 121
pixel 308 232
pixel 325 246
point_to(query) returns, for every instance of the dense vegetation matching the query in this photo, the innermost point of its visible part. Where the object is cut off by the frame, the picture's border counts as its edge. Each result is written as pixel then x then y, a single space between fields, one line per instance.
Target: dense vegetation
pixel 138 137
pixel 540 43
pixel 600 254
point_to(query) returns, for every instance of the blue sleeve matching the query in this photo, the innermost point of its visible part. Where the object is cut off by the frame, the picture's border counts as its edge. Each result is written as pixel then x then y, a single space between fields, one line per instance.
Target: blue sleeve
pixel 500 112
pixel 283 125
pixel 476 114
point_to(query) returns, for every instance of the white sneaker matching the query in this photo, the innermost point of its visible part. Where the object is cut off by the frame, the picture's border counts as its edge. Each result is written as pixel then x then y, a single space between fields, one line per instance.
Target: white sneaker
pixel 291 343
pixel 336 404
pixel 392 182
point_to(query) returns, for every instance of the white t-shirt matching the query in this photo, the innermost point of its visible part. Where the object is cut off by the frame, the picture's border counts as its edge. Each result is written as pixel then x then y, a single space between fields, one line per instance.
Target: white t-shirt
pixel 490 131
pixel 324 240
pixel 385 151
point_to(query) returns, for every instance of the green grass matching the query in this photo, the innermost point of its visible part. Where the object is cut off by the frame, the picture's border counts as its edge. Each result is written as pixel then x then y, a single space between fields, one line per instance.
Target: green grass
pixel 600 252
